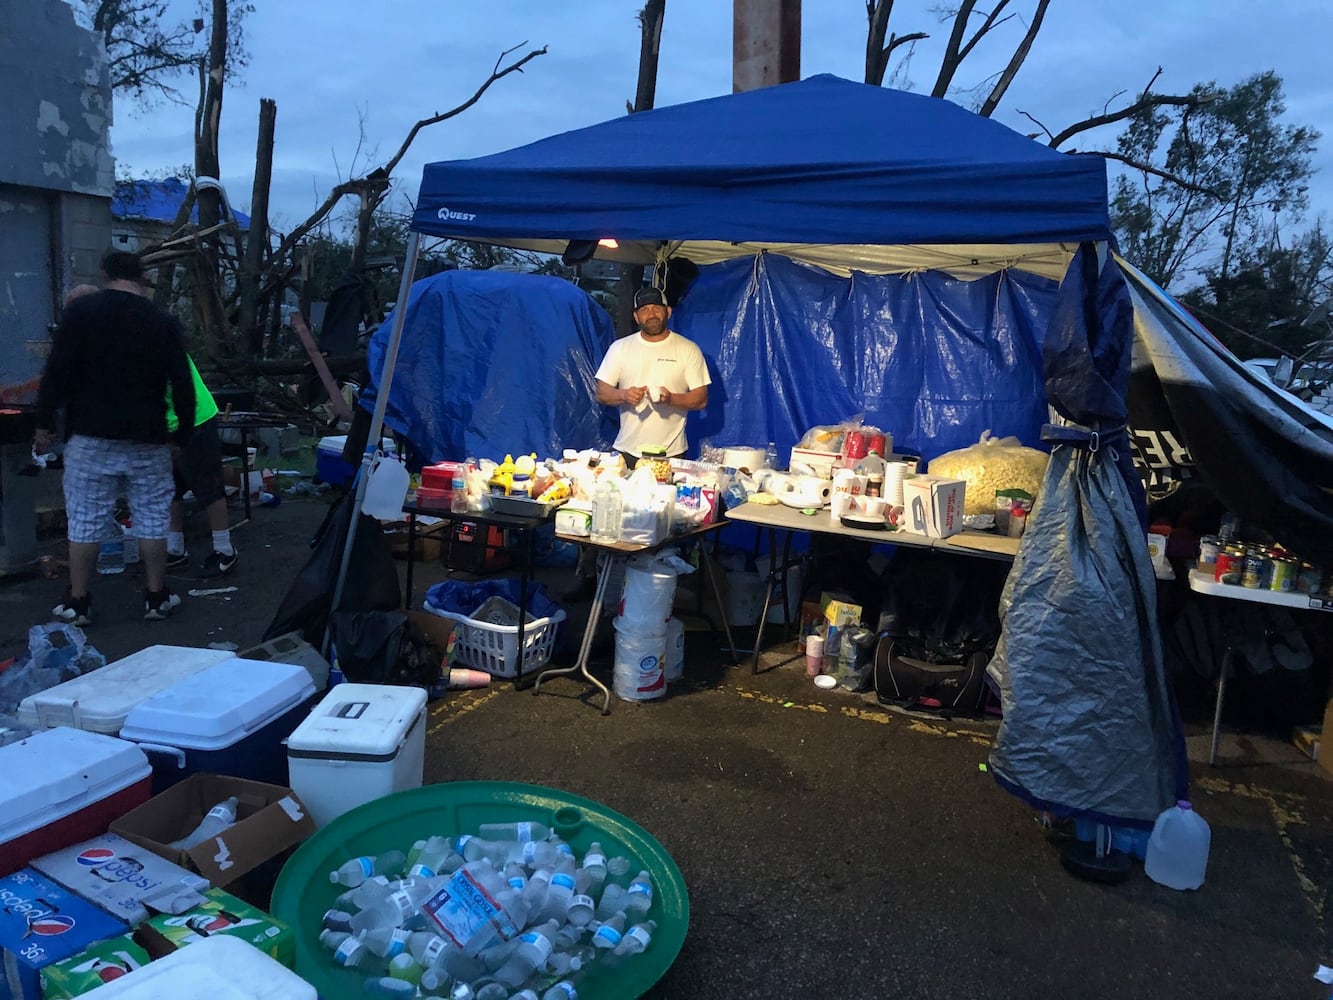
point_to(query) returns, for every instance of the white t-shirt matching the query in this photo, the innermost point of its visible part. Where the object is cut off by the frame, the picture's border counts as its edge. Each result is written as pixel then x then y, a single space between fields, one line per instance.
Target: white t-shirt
pixel 675 363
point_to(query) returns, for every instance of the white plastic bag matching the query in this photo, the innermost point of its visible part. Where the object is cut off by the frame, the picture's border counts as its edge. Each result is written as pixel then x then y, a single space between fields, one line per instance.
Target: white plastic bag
pixel 989 465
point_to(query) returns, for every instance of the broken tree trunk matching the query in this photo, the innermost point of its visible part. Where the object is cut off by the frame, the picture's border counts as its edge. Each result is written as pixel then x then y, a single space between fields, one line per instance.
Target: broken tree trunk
pixel 256 242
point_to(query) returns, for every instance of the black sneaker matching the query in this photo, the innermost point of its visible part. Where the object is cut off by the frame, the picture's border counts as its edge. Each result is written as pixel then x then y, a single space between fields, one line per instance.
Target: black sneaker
pixel 175 560
pixel 219 565
pixel 74 611
pixel 160 605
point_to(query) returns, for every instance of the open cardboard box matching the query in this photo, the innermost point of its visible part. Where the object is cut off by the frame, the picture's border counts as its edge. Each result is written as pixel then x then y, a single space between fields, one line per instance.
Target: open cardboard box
pixel 269 819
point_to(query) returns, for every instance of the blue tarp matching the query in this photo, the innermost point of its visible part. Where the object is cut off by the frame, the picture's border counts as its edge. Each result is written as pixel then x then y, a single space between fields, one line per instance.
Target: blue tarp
pixel 159 201
pixel 824 160
pixel 934 360
pixel 493 363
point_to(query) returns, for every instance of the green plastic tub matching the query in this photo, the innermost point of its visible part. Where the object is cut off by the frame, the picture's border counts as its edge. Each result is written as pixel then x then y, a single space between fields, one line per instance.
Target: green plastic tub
pixel 303 891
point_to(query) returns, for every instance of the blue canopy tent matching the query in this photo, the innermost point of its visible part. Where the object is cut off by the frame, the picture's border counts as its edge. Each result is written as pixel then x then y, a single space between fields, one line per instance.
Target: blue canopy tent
pixel 829 177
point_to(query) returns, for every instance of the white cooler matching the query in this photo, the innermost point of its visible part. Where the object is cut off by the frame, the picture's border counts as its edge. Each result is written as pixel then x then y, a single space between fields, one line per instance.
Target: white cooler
pixel 219 967
pixel 363 741
pixel 61 786
pixel 100 700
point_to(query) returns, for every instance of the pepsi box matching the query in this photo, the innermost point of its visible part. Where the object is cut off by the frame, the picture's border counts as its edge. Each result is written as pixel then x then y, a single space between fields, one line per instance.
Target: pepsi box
pixel 42 923
pixel 122 878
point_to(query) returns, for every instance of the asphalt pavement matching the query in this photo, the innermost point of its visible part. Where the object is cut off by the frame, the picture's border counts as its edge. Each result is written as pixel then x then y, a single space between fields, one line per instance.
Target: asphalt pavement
pixel 830 847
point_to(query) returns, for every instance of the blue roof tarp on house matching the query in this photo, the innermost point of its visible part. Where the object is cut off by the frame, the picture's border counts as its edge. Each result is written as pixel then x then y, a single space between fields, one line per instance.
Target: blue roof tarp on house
pixel 158 201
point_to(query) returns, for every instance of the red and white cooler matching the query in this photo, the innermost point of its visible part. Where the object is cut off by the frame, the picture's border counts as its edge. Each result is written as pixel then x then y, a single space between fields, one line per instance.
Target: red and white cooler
pixel 61 786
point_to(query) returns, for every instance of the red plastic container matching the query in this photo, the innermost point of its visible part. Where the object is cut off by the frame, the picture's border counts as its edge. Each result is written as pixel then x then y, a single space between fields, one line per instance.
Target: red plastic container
pixel 440 476
pixel 434 499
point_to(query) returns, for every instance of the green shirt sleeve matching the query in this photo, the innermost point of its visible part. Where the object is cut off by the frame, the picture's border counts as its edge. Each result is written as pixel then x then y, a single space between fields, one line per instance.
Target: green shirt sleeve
pixel 205 407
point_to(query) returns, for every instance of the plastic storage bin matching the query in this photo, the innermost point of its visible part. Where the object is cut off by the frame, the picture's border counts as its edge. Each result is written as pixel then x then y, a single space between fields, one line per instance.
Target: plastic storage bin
pixel 228 719
pixel 329 464
pixel 225 968
pixel 99 701
pixel 361 742
pixel 61 786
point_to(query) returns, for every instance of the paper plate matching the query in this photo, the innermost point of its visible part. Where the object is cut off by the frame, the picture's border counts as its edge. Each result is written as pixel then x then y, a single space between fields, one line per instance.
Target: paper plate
pixel 825 681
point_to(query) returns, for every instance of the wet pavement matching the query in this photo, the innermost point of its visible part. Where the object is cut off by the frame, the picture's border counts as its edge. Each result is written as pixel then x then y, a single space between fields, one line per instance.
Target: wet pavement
pixel 832 848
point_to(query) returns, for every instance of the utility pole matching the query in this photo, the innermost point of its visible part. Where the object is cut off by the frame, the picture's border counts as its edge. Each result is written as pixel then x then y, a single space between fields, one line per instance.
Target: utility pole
pixel 765 43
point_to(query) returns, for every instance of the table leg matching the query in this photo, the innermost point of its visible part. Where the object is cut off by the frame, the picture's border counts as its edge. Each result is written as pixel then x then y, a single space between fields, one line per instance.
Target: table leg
pixel 585 648
pixel 529 556
pixel 411 554
pixel 1223 671
pixel 245 469
pixel 710 571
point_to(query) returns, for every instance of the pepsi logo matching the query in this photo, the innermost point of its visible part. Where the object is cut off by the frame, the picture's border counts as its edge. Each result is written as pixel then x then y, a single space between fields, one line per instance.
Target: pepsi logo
pixel 95 856
pixel 51 925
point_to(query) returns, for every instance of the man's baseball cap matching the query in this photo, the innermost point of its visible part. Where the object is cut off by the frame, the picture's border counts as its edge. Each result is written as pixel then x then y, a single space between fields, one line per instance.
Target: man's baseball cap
pixel 649 297
pixel 123 265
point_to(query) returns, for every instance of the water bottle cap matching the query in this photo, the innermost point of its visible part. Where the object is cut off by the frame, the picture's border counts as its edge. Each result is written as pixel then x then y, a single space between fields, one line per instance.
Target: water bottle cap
pixel 1184 804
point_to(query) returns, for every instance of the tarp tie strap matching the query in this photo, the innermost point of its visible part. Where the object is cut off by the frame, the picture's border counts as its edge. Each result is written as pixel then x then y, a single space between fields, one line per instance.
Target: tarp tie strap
pixel 1085 437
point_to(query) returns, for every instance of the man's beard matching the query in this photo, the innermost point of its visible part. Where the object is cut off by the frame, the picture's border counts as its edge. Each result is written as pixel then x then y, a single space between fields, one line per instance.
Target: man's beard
pixel 653 326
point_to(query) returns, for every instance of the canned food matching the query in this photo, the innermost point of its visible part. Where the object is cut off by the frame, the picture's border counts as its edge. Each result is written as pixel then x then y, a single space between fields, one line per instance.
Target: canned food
pixel 1208 546
pixel 1282 575
pixel 1229 530
pixel 1308 579
pixel 1230 564
pixel 1255 565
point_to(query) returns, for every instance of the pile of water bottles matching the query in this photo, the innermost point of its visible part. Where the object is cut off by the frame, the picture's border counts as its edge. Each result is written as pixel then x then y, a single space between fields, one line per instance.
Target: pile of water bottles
pixel 510 913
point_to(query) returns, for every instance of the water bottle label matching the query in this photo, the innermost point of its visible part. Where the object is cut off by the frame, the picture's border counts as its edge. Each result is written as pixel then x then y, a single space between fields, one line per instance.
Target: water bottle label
pixel 530 854
pixel 421 871
pixel 524 832
pixel 220 812
pixel 640 934
pixel 564 848
pixel 518 883
pixel 402 902
pixel 367 866
pixel 462 844
pixel 540 944
pixel 431 953
pixel 463 907
pixel 567 989
pixel 594 861
pixel 560 880
pixel 640 889
pixel 607 936
pixel 584 901
pixel 347 951
pixel 397 943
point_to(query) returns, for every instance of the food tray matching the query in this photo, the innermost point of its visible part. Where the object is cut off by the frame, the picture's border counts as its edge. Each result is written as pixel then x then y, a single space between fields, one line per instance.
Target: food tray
pixel 303 891
pixel 522 506
pixel 494 648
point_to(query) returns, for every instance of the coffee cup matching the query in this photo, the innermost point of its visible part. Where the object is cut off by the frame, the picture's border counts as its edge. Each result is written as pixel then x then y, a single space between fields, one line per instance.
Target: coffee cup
pixel 874 506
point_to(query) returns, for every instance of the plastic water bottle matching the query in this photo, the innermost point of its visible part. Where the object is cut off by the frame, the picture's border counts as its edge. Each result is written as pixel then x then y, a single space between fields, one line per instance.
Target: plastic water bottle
pixel 352 873
pixel 560 891
pixel 524 832
pixel 534 893
pixel 405 967
pixel 636 939
pixel 771 456
pixel 607 511
pixel 580 909
pixel 612 901
pixel 437 857
pixel 594 867
pixel 639 895
pixel 218 819
pixel 458 504
pixel 387 986
pixel 608 936
pixel 1177 854
pixel 386 942
pixel 397 908
pixel 111 551
pixel 337 920
pixel 534 947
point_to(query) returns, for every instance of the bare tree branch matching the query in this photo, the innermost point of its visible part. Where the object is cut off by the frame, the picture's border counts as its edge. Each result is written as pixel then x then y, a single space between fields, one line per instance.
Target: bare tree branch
pixel 1015 62
pixel 1129 111
pixel 1148 168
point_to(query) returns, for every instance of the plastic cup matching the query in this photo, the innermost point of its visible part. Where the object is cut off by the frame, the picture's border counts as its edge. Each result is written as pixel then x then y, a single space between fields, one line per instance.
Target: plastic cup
pixel 814 655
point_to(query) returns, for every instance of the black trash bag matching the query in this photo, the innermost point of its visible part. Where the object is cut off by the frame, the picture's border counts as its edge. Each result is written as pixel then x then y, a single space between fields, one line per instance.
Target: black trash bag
pixel 942 610
pixel 384 647
pixel 371 584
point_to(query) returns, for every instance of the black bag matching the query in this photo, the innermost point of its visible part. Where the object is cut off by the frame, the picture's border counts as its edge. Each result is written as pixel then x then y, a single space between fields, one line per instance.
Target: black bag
pixel 947 689
pixel 384 647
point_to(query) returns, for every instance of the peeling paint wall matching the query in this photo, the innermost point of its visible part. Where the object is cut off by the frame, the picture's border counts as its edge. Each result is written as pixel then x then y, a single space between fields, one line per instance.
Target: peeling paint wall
pixel 56 177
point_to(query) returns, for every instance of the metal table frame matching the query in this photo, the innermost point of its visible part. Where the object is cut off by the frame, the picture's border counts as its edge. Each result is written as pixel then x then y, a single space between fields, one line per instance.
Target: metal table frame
pixel 526 526
pixel 607 555
pixel 979 544
pixel 1203 583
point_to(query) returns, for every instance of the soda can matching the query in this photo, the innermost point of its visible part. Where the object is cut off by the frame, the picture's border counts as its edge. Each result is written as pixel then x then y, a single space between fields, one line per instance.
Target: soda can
pixel 1230 564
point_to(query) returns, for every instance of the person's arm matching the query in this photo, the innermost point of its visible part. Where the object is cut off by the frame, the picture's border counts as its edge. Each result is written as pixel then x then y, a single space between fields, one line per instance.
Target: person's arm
pixel 610 395
pixel 54 390
pixel 182 384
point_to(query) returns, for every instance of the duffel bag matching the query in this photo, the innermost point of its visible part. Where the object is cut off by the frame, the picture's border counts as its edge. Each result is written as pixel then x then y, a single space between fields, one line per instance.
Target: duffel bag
pixel 944 688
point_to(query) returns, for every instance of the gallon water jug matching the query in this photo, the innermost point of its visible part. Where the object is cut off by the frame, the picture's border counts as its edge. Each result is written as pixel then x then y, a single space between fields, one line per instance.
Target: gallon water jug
pixel 386 488
pixel 111 551
pixel 1177 854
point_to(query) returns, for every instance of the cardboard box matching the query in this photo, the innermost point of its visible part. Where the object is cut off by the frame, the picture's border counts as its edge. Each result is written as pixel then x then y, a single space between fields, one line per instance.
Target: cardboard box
pixel 220 913
pixel 1325 752
pixel 122 877
pixel 933 505
pixel 819 462
pixel 429 541
pixel 270 819
pixel 1306 740
pixel 42 923
pixel 838 609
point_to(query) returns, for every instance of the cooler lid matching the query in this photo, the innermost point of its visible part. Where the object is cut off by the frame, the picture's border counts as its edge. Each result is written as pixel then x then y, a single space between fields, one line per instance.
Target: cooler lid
pixel 219 706
pixel 56 772
pixel 365 720
pixel 100 700
pixel 219 967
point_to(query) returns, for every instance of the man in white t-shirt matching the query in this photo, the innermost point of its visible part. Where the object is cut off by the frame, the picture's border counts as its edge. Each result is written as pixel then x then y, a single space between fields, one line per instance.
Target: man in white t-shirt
pixel 655 377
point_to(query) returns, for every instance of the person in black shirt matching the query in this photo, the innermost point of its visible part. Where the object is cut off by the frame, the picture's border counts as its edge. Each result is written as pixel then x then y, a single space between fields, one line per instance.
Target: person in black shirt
pixel 112 358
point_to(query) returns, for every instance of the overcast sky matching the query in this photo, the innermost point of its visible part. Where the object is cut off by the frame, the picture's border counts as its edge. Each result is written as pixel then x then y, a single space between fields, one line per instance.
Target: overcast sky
pixel 338 67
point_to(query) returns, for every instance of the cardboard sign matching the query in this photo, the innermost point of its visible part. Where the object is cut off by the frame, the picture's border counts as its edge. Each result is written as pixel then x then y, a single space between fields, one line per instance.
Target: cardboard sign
pixel 269 819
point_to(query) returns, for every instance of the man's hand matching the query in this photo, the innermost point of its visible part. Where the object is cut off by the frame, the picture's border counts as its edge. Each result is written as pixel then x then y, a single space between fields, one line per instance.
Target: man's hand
pixel 635 394
pixel 42 441
pixel 665 396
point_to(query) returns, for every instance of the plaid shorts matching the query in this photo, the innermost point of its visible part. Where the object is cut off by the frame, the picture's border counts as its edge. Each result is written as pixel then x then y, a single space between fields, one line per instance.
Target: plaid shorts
pixel 99 471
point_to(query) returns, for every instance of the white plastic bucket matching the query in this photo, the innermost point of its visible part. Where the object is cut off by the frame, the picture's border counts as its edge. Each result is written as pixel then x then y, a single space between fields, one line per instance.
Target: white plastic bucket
pixel 675 650
pixel 640 671
pixel 646 605
pixel 745 597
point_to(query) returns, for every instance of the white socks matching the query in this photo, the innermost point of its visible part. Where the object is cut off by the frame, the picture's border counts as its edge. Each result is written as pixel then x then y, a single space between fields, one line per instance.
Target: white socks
pixel 175 543
pixel 222 542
